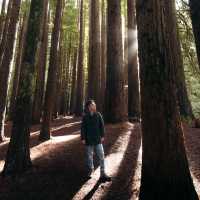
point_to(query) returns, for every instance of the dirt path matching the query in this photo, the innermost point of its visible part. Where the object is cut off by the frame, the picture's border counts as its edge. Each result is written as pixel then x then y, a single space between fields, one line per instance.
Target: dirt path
pixel 59 172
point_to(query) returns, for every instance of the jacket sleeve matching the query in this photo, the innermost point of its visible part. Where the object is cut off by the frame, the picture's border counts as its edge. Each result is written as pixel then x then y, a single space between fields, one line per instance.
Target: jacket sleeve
pixel 101 125
pixel 83 128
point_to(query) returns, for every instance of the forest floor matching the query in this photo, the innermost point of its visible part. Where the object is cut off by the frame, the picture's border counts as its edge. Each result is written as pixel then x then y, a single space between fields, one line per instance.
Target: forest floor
pixel 59 173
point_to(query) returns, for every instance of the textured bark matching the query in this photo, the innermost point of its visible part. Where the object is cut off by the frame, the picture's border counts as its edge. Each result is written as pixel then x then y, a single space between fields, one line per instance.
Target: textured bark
pixel 59 79
pixel 52 74
pixel 94 53
pixel 2 18
pixel 67 80
pixel 64 89
pixel 184 104
pixel 6 60
pixel 103 55
pixel 20 50
pixel 18 155
pixel 74 78
pixel 41 67
pixel 195 16
pixel 115 92
pixel 165 170
pixel 80 72
pixel 133 79
pixel 5 29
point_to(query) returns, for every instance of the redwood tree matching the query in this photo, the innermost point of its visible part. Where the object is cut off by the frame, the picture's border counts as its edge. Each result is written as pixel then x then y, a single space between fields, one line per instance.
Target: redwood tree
pixel 18 155
pixel 115 92
pixel 103 54
pixel 41 66
pixel 94 52
pixel 195 17
pixel 133 79
pixel 7 53
pixel 80 71
pixel 52 74
pixel 165 170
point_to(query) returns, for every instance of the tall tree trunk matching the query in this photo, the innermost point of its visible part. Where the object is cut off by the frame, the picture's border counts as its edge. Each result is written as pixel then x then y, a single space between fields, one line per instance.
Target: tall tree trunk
pixel 94 53
pixel 195 17
pixel 6 60
pixel 20 50
pixel 184 103
pixel 133 79
pixel 165 170
pixel 5 29
pixel 103 54
pixel 2 18
pixel 41 68
pixel 80 72
pixel 59 80
pixel 115 92
pixel 63 98
pixel 18 155
pixel 74 75
pixel 52 74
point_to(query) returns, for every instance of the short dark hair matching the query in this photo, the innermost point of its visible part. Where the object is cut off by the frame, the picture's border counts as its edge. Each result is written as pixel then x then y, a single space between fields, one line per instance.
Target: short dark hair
pixel 87 104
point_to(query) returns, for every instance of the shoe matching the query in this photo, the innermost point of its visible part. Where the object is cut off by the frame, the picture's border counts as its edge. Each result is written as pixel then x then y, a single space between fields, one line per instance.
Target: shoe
pixel 105 178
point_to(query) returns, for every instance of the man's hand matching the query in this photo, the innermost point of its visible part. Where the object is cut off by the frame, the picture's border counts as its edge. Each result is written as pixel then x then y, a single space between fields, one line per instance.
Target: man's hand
pixel 102 139
pixel 83 141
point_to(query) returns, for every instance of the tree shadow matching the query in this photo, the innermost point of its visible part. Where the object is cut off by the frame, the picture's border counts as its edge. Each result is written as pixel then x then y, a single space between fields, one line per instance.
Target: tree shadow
pixel 58 130
pixel 122 184
pixel 58 173
pixel 92 191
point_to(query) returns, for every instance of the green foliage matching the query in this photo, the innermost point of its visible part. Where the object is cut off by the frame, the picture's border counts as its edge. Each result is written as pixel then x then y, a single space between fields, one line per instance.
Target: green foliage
pixel 191 67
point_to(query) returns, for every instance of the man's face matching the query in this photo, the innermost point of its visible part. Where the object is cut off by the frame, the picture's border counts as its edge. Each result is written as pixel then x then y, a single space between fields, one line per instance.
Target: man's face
pixel 92 107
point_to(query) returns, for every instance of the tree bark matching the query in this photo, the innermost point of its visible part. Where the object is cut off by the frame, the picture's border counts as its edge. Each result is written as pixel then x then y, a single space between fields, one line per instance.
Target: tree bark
pixel 74 78
pixel 41 68
pixel 103 55
pixel 115 91
pixel 195 16
pixel 133 77
pixel 18 155
pixel 2 18
pixel 165 170
pixel 94 53
pixel 80 72
pixel 6 60
pixel 52 74
pixel 5 29
pixel 20 50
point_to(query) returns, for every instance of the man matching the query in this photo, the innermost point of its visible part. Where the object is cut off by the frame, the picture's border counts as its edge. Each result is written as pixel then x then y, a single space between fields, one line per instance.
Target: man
pixel 92 136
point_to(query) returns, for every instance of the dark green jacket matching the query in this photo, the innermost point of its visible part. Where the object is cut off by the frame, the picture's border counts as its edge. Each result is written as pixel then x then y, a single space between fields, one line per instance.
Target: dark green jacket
pixel 92 128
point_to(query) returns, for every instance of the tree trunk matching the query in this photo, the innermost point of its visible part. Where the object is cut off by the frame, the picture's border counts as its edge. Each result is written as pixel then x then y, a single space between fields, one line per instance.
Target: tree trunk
pixel 195 16
pixel 18 155
pixel 165 170
pixel 184 104
pixel 20 50
pixel 94 53
pixel 103 55
pixel 115 92
pixel 41 68
pixel 80 73
pixel 133 79
pixel 74 75
pixel 2 18
pixel 5 29
pixel 52 74
pixel 6 60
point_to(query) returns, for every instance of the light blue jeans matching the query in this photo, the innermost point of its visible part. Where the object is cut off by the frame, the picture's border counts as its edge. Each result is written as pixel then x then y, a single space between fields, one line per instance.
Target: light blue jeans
pixel 98 149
